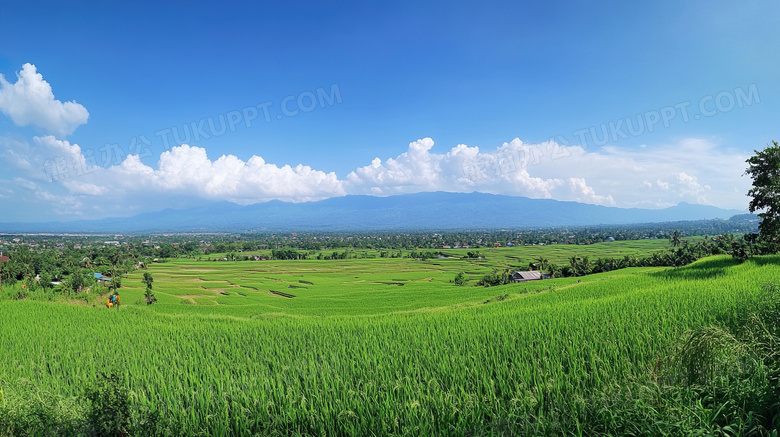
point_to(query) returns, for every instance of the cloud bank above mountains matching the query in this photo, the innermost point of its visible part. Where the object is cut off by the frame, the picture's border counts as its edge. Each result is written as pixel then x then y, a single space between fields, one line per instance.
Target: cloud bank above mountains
pixel 693 171
pixel 67 178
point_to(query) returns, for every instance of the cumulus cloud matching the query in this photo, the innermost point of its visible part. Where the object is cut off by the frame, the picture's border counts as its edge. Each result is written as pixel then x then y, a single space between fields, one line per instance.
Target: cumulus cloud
pixel 694 171
pixel 651 176
pixel 30 101
pixel 691 170
pixel 188 171
pixel 46 158
pixel 60 160
pixel 506 170
pixel 586 194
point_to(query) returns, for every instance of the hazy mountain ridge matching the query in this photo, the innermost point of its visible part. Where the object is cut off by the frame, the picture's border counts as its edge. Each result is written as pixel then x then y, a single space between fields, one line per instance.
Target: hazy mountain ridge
pixel 436 210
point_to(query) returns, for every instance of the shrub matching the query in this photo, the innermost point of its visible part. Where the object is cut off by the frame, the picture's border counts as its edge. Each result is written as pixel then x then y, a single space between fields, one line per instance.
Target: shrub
pixel 109 406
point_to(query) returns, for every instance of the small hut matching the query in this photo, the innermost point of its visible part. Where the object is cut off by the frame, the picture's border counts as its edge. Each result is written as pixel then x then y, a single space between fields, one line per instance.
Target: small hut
pixel 525 276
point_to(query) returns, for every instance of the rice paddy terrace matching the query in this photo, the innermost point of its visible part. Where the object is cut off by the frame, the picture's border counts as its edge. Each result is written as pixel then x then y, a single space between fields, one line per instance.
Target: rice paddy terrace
pixel 346 287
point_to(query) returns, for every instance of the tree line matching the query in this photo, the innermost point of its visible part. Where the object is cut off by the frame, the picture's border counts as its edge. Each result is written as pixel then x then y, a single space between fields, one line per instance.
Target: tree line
pixel 683 252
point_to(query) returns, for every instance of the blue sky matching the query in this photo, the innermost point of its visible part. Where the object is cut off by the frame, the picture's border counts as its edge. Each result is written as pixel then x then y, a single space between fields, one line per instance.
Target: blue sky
pixel 534 100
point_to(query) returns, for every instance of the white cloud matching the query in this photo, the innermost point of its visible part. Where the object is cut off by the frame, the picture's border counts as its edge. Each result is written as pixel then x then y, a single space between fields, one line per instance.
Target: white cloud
pixel 690 186
pixel 25 183
pixel 30 101
pixel 694 171
pixel 461 169
pixel 61 160
pixel 86 188
pixel 651 176
pixel 15 153
pixel 187 171
pixel 5 192
pixel 46 159
pixel 61 204
pixel 507 170
pixel 586 194
pixel 691 170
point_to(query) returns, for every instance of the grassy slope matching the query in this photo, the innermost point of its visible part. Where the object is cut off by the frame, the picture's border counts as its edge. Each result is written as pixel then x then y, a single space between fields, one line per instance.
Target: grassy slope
pixel 447 363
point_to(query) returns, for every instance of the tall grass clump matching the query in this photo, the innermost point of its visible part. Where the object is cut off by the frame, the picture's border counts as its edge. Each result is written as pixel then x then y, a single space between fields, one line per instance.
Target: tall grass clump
pixel 718 379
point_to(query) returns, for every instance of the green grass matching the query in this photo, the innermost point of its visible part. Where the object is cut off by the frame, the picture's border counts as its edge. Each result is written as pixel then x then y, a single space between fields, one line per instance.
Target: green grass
pixel 346 287
pixel 352 354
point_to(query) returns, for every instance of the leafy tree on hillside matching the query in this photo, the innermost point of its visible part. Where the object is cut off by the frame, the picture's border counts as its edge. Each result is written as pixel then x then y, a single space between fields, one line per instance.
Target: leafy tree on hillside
pixel 148 280
pixel 78 282
pixel 45 281
pixel 114 257
pixel 496 278
pixel 283 254
pixel 764 169
pixel 148 295
pixel 741 250
pixel 460 279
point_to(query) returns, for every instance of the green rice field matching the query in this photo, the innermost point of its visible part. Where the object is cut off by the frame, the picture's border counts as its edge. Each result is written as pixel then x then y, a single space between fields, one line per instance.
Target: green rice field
pixel 346 287
pixel 374 346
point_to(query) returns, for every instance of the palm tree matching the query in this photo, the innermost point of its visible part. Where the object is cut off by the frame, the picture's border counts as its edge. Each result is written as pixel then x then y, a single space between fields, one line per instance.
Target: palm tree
pixel 148 280
pixel 543 262
pixel 574 262
pixel 86 262
pixel 585 265
pixel 675 238
pixel 600 266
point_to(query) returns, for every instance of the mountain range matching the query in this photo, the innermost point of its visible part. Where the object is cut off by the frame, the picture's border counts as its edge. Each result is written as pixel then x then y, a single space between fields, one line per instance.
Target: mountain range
pixel 433 210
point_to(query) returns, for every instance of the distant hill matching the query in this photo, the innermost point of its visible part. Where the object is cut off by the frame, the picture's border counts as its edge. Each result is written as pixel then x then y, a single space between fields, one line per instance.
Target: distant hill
pixel 437 210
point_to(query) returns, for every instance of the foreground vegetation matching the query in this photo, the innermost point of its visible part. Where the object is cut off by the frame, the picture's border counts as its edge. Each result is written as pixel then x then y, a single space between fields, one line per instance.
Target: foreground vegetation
pixel 660 351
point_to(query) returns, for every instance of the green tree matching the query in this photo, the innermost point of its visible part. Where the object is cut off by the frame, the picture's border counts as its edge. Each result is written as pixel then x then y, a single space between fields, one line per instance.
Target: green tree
pixel 460 279
pixel 741 250
pixel 1 274
pixel 675 238
pixel 574 266
pixel 585 268
pixel 114 256
pixel 764 169
pixel 165 251
pixel 148 295
pixel 31 284
pixel 76 282
pixel 148 280
pixel 542 262
pixel 553 270
pixel 116 280
pixel 45 281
